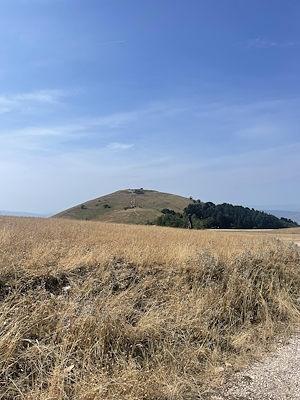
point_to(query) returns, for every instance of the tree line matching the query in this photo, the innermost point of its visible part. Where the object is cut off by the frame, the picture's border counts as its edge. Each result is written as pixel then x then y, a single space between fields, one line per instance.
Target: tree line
pixel 223 216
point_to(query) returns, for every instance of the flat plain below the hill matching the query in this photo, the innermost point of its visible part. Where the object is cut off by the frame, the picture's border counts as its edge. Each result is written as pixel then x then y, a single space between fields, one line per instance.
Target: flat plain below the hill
pixel 93 310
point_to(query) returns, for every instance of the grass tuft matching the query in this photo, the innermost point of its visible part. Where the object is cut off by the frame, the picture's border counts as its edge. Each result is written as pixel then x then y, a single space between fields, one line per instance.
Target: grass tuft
pixel 93 310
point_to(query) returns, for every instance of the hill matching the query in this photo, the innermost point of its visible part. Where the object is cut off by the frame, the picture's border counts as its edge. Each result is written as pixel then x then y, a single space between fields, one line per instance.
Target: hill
pixel 139 206
pixel 131 206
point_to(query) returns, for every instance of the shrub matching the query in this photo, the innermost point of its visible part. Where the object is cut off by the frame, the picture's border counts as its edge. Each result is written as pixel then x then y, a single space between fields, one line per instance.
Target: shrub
pixel 139 191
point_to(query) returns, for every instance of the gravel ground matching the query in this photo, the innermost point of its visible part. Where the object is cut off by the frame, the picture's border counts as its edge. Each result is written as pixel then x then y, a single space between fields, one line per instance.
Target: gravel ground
pixel 274 378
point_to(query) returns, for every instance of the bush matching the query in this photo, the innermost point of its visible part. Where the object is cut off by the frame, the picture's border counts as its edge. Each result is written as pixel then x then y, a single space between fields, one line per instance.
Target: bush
pixel 167 211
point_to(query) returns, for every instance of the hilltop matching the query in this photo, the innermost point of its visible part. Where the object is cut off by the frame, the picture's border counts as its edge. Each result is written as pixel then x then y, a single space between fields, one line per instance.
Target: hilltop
pixel 131 206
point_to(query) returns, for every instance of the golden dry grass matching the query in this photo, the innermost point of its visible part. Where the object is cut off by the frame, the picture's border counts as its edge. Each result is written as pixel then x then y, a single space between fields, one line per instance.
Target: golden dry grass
pixel 90 310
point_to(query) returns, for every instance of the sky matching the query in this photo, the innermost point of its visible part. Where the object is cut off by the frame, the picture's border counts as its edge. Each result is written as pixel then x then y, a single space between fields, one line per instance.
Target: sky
pixel 197 98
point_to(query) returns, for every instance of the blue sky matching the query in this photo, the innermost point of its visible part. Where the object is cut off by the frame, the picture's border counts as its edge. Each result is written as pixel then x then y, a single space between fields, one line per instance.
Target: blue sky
pixel 198 98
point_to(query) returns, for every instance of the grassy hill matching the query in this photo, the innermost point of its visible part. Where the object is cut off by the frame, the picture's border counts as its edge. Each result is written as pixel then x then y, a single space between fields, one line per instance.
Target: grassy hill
pixel 131 206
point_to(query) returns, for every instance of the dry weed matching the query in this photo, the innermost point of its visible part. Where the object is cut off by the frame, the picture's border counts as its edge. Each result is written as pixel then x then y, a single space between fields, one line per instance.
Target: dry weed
pixel 100 311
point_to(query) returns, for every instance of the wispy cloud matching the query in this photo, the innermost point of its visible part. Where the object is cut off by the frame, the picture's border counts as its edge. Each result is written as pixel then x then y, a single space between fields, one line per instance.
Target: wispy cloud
pixel 21 101
pixel 261 43
pixel 40 96
pixel 105 133
pixel 6 105
pixel 216 127
pixel 259 131
pixel 115 120
pixel 52 135
pixel 158 109
pixel 66 137
pixel 41 138
pixel 257 121
pixel 264 43
pixel 119 146
pixel 4 110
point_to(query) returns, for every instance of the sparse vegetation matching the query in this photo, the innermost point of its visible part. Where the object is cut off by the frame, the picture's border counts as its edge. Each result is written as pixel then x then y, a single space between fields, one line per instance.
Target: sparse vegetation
pixel 92 310
pixel 123 204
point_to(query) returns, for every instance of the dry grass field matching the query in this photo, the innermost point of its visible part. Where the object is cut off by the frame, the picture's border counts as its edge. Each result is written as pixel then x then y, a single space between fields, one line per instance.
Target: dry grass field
pixel 90 310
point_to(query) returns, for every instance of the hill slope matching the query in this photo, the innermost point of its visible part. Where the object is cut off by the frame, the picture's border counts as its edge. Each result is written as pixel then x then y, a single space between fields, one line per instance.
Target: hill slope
pixel 133 206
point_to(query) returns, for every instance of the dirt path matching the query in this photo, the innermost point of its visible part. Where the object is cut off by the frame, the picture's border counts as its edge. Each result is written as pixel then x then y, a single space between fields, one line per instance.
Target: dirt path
pixel 274 378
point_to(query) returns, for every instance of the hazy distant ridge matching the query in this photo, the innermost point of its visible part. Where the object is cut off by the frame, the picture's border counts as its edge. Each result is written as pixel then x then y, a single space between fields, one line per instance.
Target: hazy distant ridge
pixel 23 214
pixel 293 215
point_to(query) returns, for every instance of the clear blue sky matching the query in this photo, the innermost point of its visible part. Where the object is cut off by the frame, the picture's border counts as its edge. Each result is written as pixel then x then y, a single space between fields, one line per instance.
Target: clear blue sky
pixel 193 97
